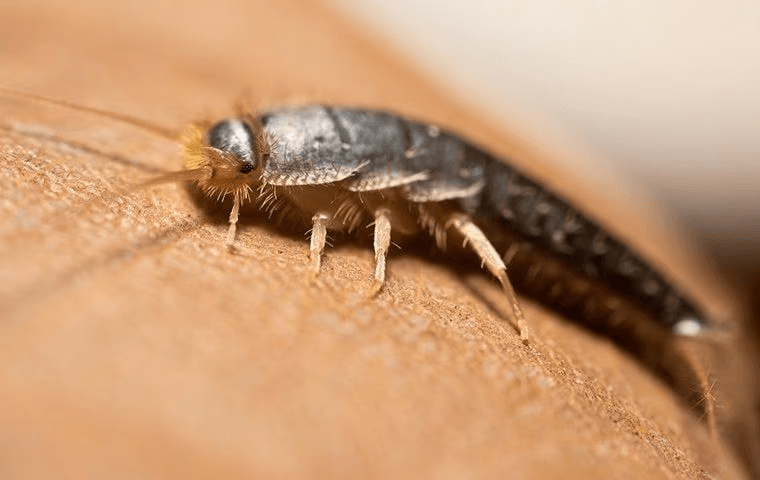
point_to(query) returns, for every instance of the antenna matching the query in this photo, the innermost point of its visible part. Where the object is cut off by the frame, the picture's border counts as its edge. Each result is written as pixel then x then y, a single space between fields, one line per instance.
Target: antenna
pixel 151 127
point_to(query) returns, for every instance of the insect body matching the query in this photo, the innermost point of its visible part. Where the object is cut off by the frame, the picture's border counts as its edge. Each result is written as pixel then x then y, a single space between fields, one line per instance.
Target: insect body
pixel 344 168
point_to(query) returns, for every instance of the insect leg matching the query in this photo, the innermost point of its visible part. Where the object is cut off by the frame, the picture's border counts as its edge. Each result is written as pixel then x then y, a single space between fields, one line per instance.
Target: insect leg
pixel 491 259
pixel 382 242
pixel 233 222
pixel 318 239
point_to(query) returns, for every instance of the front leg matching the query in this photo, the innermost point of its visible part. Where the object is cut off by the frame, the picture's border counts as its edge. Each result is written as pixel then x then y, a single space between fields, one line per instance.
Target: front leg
pixel 234 214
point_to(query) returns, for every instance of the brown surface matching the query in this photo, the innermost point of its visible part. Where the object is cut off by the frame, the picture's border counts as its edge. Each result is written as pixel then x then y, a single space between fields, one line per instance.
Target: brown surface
pixel 133 345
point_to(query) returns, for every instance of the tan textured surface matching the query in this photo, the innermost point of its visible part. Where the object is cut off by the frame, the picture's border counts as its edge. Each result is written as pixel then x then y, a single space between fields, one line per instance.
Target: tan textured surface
pixel 132 345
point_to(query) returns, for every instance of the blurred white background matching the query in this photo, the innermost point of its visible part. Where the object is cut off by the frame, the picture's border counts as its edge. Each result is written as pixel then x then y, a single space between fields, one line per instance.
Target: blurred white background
pixel 666 93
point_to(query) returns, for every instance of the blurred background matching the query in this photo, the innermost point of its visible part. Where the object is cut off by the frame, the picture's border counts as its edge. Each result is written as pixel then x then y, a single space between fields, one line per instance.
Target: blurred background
pixel 666 94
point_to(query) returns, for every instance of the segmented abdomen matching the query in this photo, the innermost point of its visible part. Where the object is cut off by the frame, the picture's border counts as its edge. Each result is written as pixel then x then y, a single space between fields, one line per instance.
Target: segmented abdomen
pixel 543 220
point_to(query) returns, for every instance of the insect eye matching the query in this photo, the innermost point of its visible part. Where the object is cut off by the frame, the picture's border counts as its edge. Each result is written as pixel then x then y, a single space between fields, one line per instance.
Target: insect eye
pixel 246 168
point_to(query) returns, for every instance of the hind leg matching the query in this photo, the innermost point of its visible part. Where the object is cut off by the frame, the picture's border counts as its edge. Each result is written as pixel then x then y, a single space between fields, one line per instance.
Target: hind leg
pixel 478 241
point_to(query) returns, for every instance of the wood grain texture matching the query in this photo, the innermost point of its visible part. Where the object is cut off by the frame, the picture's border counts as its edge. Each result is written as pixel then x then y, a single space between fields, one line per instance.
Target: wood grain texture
pixel 133 344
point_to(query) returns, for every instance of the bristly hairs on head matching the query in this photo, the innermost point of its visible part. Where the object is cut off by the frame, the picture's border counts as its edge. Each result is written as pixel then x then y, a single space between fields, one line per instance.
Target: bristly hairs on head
pixel 192 142
pixel 196 163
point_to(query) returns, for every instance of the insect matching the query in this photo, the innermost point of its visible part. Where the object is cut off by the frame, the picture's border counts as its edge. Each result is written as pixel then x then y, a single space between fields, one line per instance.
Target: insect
pixel 344 168
pixel 341 168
